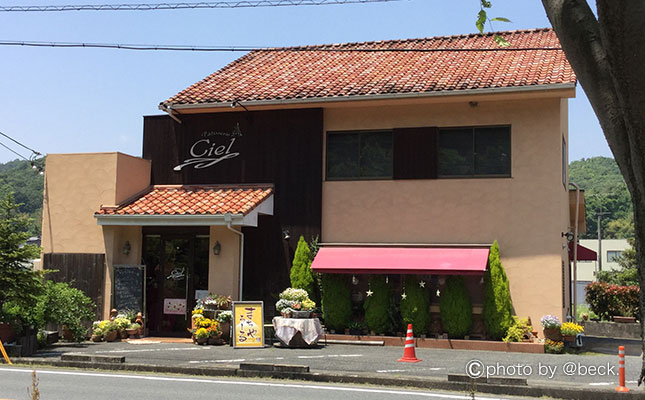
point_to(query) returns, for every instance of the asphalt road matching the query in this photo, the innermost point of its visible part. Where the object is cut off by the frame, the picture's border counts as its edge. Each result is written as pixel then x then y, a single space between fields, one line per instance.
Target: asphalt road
pixel 81 385
pixel 564 369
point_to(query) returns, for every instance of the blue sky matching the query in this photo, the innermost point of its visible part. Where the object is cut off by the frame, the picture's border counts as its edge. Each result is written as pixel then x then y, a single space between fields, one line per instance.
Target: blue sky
pixel 92 100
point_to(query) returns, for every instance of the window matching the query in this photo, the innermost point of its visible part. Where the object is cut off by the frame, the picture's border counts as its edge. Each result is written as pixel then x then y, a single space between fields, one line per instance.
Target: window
pixel 359 155
pixel 481 151
pixel 613 255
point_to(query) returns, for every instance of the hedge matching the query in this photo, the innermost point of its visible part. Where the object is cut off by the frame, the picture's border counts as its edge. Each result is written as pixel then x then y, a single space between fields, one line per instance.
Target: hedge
pixel 415 308
pixel 377 305
pixel 455 308
pixel 336 301
pixel 607 300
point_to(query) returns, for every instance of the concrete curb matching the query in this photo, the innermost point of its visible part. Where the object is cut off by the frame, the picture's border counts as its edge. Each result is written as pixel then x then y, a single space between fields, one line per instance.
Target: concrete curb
pixel 279 372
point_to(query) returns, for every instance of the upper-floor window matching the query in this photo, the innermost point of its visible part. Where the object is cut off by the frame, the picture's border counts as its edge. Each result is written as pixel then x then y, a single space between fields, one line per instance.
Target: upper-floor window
pixel 477 151
pixel 613 255
pixel 359 155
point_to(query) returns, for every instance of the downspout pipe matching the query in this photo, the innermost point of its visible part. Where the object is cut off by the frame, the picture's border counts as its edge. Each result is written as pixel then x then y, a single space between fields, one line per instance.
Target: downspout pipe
pixel 229 219
pixel 575 252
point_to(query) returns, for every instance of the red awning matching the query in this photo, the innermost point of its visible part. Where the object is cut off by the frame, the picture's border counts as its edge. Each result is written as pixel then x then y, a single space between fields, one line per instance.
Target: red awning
pixel 584 253
pixel 401 260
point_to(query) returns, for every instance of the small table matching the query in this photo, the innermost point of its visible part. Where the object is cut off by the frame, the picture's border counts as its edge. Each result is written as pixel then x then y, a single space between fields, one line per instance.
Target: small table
pixel 298 332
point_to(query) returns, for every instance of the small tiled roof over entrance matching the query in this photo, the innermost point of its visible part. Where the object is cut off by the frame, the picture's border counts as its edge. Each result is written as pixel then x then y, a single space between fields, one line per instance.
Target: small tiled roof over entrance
pixel 193 200
pixel 395 67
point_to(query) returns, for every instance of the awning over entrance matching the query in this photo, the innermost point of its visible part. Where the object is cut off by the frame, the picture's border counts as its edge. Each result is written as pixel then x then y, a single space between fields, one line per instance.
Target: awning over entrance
pixel 191 205
pixel 401 260
pixel 584 253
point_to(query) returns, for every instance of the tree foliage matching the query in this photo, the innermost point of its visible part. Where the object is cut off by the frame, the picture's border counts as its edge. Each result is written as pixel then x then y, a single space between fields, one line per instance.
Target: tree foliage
pixel 455 307
pixel 415 307
pixel 498 308
pixel 336 301
pixel 19 284
pixel 627 275
pixel 26 184
pixel 605 190
pixel 377 305
pixel 301 275
pixel 65 305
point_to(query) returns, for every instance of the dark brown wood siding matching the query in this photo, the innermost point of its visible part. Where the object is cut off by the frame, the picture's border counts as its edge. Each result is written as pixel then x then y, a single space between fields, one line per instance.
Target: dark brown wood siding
pixel 281 147
pixel 85 272
pixel 414 153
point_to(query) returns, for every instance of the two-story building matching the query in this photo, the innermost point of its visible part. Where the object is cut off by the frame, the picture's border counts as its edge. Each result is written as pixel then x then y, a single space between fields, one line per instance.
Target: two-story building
pixel 403 156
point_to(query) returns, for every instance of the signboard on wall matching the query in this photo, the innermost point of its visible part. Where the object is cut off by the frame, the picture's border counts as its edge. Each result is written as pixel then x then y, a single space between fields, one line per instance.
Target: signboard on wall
pixel 248 324
pixel 129 288
pixel 211 148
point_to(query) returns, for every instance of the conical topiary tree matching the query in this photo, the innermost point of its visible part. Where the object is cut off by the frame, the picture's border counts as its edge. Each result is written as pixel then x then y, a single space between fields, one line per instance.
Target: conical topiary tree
pixel 301 275
pixel 498 308
pixel 377 304
pixel 415 307
pixel 455 307
pixel 336 301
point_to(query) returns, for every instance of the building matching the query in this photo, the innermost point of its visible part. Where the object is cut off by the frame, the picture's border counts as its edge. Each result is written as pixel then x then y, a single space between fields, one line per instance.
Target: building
pixel 432 147
pixel 611 250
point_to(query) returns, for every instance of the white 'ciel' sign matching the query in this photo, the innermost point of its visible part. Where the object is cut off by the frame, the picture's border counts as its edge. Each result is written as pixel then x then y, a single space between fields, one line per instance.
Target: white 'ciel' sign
pixel 211 150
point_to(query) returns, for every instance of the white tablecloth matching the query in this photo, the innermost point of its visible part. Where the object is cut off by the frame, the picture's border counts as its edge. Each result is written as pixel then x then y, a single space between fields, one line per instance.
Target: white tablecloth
pixel 309 328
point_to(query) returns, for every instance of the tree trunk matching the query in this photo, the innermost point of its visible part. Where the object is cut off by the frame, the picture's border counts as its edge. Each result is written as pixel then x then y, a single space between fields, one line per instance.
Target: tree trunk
pixel 609 60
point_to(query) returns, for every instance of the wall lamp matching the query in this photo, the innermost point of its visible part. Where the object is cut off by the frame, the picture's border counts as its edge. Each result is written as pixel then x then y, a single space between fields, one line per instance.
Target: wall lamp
pixel 286 235
pixel 126 247
pixel 217 248
pixel 568 235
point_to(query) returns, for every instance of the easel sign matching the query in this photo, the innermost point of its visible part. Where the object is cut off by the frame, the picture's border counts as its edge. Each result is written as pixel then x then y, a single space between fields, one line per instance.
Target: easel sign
pixel 248 324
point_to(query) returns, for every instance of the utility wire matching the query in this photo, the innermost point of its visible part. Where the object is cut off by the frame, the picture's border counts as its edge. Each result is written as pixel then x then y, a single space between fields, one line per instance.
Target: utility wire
pixel 329 48
pixel 177 6
pixel 20 144
pixel 14 152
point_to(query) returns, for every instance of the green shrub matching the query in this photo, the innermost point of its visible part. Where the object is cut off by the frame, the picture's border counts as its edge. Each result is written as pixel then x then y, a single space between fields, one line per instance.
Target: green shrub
pixel 415 308
pixel 65 305
pixel 520 330
pixel 301 275
pixel 377 305
pixel 336 301
pixel 456 309
pixel 498 309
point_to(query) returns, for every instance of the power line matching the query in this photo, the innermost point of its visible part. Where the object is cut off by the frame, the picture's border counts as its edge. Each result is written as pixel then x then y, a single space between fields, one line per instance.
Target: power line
pixel 330 48
pixel 20 144
pixel 14 152
pixel 177 6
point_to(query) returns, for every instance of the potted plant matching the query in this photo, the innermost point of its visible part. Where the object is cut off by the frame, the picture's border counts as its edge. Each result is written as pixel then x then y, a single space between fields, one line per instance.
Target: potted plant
pixel 123 323
pixel 111 330
pixel 355 328
pixel 97 331
pixel 214 333
pixel 553 347
pixel 133 330
pixel 569 331
pixel 201 336
pixel 224 319
pixel 295 303
pixel 551 327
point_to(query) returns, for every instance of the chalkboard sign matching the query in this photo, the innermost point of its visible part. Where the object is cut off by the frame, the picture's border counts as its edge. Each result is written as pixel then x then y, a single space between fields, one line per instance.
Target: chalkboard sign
pixel 128 288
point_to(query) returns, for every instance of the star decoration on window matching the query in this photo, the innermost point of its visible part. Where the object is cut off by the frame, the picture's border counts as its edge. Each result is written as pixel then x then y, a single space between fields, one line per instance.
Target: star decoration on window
pixel 369 293
pixel 422 284
pixel 404 296
pixel 438 293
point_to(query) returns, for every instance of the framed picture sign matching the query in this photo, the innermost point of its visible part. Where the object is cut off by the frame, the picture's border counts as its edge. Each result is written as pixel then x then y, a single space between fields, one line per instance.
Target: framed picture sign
pixel 248 324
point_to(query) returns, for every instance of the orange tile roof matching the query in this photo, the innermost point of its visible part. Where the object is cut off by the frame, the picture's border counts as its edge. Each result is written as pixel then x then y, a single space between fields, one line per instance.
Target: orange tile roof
pixel 436 64
pixel 193 200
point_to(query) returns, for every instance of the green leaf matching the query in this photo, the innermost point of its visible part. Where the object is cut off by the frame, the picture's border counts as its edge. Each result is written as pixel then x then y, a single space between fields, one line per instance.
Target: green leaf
pixel 481 20
pixel 501 41
pixel 486 4
pixel 501 19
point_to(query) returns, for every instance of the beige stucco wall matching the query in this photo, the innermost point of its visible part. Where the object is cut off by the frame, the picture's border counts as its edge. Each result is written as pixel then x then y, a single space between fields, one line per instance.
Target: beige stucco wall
pixel 224 269
pixel 525 213
pixel 76 185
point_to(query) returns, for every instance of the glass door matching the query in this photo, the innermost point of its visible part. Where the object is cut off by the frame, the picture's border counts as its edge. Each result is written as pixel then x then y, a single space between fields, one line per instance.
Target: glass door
pixel 175 273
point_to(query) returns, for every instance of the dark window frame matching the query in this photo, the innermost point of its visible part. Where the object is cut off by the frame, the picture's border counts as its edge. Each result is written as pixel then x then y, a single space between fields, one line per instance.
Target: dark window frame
pixel 475 175
pixel 359 133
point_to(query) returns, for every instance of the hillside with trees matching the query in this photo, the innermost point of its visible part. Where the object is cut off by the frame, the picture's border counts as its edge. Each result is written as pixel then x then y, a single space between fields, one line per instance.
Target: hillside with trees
pixel 26 183
pixel 605 190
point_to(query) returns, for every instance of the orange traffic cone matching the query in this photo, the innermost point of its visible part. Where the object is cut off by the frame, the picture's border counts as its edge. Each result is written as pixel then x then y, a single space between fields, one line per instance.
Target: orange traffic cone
pixel 408 351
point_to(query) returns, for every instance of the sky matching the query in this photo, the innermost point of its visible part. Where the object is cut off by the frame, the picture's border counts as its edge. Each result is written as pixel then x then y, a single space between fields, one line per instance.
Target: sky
pixel 57 100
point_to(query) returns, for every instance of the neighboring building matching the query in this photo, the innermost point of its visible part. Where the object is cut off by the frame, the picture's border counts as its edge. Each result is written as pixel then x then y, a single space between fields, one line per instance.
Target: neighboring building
pixel 405 156
pixel 611 250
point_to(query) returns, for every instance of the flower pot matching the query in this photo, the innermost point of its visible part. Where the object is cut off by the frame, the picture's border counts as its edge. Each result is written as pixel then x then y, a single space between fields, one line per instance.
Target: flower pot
pixel 623 320
pixel 123 334
pixel 355 332
pixel 226 330
pixel 111 336
pixel 96 338
pixel 346 331
pixel 301 314
pixel 132 333
pixel 553 334
pixel 285 314
pixel 202 340
pixel 569 338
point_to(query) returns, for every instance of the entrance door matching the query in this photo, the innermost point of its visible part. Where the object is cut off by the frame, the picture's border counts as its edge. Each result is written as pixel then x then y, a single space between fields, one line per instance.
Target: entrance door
pixel 177 266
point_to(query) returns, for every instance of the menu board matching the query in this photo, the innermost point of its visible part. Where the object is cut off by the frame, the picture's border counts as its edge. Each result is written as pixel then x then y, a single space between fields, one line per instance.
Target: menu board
pixel 129 288
pixel 248 324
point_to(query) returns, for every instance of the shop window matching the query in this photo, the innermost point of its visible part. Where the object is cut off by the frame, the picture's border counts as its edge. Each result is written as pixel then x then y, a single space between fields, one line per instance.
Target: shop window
pixel 613 255
pixel 359 155
pixel 475 152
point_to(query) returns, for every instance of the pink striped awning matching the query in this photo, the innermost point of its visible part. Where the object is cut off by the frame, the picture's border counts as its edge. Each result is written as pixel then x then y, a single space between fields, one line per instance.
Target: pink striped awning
pixel 401 260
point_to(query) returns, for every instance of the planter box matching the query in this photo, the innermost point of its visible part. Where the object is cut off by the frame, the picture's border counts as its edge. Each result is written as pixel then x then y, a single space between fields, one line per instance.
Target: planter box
pixel 612 329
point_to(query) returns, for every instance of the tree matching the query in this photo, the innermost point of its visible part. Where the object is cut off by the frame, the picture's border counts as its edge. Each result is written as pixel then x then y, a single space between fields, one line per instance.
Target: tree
pixel 20 286
pixel 498 309
pixel 336 301
pixel 456 309
pixel 301 275
pixel 608 58
pixel 378 304
pixel 415 307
